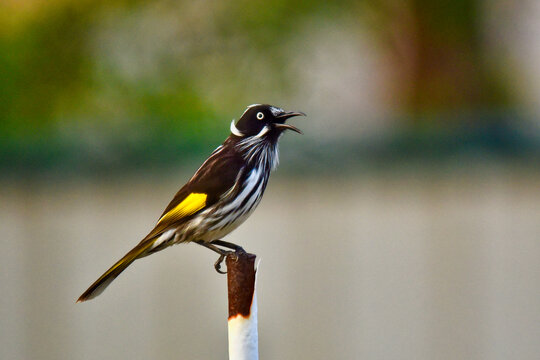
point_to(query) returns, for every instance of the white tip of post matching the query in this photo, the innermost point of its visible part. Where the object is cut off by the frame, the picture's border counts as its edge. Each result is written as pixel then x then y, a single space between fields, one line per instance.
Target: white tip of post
pixel 243 335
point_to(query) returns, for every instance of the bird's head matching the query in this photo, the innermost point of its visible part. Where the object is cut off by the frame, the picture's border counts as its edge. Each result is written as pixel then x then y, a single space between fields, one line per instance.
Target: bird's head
pixel 263 121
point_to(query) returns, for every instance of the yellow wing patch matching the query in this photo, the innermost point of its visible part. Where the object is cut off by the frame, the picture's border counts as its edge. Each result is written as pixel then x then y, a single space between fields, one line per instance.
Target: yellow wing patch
pixel 190 205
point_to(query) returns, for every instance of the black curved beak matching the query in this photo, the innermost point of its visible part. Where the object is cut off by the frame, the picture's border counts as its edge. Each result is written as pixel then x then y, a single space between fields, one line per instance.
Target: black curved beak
pixel 290 114
pixel 286 116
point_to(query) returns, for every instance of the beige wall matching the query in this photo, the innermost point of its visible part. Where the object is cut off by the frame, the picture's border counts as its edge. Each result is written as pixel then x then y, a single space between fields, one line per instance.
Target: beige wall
pixel 390 266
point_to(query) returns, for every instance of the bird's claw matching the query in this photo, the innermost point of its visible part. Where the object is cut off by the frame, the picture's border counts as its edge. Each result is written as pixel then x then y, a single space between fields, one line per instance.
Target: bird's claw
pixel 217 264
pixel 219 261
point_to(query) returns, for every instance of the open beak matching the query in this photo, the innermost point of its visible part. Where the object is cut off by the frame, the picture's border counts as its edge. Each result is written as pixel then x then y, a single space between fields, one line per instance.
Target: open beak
pixel 287 126
pixel 286 116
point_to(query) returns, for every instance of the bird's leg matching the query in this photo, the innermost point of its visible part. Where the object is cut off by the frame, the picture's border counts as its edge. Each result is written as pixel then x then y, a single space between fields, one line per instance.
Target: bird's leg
pixel 222 253
pixel 236 248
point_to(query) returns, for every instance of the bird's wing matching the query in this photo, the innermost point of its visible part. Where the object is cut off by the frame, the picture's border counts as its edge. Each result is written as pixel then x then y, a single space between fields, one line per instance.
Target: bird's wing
pixel 214 178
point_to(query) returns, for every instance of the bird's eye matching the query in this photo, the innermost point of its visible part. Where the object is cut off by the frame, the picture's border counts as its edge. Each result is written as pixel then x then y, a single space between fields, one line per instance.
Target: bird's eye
pixel 260 115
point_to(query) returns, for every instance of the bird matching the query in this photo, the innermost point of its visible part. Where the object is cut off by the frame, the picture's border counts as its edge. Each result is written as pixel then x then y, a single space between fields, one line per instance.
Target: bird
pixel 220 196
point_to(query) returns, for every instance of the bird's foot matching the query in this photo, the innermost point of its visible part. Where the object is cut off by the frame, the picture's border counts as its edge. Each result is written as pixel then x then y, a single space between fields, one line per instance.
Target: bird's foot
pixel 233 254
pixel 217 264
pixel 236 249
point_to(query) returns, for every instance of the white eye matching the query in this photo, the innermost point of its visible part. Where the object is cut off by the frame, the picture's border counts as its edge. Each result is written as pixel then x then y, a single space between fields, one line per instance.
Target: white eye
pixel 260 115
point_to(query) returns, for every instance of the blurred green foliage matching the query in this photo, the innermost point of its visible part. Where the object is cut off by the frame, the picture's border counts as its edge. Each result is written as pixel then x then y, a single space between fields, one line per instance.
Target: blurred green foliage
pixel 52 66
pixel 84 78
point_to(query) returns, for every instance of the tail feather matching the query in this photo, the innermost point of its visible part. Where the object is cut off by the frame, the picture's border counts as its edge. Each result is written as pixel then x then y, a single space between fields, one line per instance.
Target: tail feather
pixel 104 280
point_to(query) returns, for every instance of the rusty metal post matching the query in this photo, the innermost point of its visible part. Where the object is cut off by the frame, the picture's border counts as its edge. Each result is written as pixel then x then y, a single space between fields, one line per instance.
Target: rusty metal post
pixel 243 334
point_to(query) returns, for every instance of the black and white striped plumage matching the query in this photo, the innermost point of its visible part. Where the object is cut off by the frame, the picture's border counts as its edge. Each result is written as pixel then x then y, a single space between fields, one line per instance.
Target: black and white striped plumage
pixel 221 195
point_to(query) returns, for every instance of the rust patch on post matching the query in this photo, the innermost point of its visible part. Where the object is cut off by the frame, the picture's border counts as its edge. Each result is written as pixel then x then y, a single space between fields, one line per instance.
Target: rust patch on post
pixel 240 283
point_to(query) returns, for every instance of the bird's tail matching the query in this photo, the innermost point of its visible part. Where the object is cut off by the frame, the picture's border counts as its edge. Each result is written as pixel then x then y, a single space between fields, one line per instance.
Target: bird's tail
pixel 104 280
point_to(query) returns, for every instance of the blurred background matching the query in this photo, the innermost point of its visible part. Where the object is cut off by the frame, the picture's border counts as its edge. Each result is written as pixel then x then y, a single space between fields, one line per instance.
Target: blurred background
pixel 404 224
